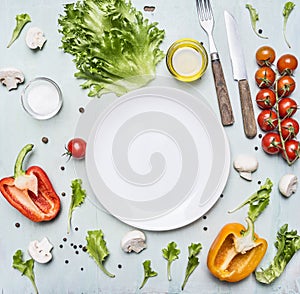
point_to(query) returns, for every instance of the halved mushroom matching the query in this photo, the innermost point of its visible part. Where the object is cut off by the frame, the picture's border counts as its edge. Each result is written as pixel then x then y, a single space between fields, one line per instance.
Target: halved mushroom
pixel 11 77
pixel 40 251
pixel 35 38
pixel 133 241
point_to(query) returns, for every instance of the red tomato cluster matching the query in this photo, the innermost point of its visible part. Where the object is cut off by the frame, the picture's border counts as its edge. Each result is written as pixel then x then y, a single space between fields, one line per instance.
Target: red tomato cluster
pixel 273 98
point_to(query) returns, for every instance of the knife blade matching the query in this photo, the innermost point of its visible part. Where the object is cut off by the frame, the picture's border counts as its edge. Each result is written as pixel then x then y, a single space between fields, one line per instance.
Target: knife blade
pixel 240 75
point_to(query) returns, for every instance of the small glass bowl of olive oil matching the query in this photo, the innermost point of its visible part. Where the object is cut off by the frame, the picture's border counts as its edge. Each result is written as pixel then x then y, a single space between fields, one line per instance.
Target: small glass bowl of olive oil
pixel 187 60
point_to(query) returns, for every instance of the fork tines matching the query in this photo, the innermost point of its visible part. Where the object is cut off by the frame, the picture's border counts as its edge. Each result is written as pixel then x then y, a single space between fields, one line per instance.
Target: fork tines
pixel 204 9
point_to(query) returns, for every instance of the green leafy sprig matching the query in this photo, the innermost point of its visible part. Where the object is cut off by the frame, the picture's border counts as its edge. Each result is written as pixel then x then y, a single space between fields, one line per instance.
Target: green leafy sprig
pixel 254 19
pixel 193 261
pixel 170 253
pixel 287 9
pixel 287 244
pixel 77 198
pixel 96 247
pixel 148 272
pixel 22 20
pixel 257 201
pixel 25 267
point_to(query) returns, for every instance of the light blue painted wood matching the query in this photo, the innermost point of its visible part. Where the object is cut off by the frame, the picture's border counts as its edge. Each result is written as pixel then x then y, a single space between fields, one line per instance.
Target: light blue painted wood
pixel 80 274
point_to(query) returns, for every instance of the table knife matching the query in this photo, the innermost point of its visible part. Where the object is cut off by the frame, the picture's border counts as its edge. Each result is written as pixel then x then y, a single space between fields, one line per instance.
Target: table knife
pixel 240 75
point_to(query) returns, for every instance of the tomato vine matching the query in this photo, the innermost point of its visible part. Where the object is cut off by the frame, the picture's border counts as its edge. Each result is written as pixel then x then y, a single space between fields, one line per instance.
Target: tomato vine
pixel 276 118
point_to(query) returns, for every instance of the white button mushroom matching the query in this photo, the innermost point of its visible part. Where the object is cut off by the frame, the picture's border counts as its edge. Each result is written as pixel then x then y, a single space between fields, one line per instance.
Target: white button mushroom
pixel 35 38
pixel 245 165
pixel 288 184
pixel 40 251
pixel 11 77
pixel 133 241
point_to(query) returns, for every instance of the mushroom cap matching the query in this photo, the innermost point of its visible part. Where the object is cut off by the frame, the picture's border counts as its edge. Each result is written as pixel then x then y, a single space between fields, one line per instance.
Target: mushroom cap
pixel 245 165
pixel 11 77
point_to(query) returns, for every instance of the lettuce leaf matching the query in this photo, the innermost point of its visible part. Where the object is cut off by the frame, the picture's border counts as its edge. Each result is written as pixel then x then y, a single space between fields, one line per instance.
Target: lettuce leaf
pixel 115 49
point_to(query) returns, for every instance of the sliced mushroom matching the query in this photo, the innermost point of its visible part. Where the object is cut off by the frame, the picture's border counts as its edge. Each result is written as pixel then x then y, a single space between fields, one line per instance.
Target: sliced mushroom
pixel 288 184
pixel 35 38
pixel 11 77
pixel 133 241
pixel 245 165
pixel 40 251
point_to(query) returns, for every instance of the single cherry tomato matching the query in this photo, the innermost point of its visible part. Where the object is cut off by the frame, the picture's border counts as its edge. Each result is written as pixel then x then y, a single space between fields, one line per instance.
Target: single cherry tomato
pixel 265 77
pixel 286 64
pixel 265 56
pixel 287 107
pixel 285 86
pixel 289 128
pixel 76 148
pixel 292 151
pixel 267 120
pixel 271 143
pixel 265 99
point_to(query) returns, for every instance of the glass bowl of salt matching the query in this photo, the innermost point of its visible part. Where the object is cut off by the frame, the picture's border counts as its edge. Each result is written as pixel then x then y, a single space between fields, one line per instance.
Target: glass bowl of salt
pixel 42 98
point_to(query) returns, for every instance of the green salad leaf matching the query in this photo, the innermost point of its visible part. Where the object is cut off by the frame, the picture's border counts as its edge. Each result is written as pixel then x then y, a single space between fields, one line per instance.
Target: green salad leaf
pixel 287 9
pixel 77 198
pixel 22 20
pixel 25 267
pixel 287 244
pixel 170 254
pixel 254 19
pixel 148 272
pixel 96 247
pixel 193 261
pixel 258 201
pixel 115 49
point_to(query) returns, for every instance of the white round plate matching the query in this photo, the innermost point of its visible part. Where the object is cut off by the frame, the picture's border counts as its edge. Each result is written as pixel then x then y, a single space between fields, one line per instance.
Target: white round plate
pixel 157 158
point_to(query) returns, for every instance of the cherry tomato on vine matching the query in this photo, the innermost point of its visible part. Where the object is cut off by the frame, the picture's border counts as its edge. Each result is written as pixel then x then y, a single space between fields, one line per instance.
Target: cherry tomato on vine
pixel 289 128
pixel 287 107
pixel 76 148
pixel 285 86
pixel 265 99
pixel 267 120
pixel 292 150
pixel 286 64
pixel 271 143
pixel 265 56
pixel 265 77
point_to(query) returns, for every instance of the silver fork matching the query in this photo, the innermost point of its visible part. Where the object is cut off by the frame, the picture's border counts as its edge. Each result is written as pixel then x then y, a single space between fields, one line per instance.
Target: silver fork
pixel 206 20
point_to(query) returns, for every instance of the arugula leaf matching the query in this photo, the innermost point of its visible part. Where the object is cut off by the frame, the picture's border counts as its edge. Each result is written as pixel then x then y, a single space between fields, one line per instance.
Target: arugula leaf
pixel 148 272
pixel 115 49
pixel 25 267
pixel 96 247
pixel 77 198
pixel 287 244
pixel 170 254
pixel 22 20
pixel 257 201
pixel 193 261
pixel 254 19
pixel 287 9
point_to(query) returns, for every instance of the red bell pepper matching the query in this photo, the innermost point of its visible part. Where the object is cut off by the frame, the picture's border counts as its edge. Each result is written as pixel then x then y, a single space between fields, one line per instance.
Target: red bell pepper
pixel 30 191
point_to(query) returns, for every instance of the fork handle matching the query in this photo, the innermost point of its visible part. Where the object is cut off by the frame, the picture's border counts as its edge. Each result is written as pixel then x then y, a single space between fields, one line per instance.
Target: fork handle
pixel 222 91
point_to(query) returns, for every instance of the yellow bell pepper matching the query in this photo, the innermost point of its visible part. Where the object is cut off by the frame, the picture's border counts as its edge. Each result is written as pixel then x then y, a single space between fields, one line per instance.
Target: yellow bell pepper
pixel 236 252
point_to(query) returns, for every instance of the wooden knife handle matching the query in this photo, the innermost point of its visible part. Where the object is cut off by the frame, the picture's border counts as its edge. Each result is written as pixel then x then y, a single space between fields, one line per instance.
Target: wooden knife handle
pixel 247 109
pixel 222 94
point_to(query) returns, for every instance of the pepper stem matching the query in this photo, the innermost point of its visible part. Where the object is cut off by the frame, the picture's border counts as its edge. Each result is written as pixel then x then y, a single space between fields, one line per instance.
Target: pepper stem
pixel 247 241
pixel 18 171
